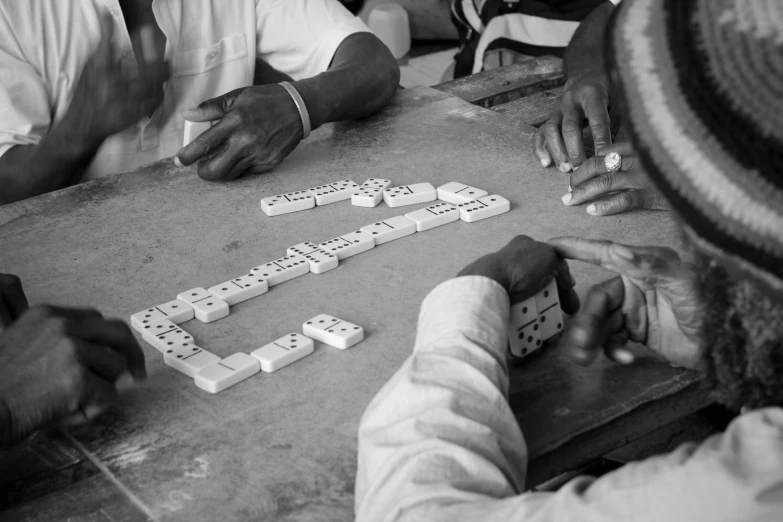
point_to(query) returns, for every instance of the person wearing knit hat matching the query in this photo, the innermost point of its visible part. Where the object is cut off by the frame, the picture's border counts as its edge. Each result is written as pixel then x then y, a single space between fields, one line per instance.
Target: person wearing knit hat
pixel 701 84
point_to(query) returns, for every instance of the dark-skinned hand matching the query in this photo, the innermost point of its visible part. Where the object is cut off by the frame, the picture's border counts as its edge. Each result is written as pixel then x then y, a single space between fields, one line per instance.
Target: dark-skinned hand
pixel 614 192
pixel 559 141
pixel 13 301
pixel 106 99
pixel 255 129
pixel 61 365
pixel 524 267
pixel 654 300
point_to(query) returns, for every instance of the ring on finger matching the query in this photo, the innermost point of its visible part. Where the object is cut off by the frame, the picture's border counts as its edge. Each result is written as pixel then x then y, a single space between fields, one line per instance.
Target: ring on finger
pixel 613 161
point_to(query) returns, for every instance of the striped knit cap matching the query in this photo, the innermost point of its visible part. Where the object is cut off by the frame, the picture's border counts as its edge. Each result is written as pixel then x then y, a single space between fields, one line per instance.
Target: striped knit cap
pixel 702 83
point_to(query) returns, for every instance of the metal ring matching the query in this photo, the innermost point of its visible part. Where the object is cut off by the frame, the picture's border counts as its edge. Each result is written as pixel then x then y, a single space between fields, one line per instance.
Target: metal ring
pixel 613 162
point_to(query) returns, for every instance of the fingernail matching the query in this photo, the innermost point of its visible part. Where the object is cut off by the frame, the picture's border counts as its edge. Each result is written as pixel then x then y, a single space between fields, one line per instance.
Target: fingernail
pixel 566 199
pixel 565 167
pixel 177 162
pixel 124 382
pixel 623 356
pixel 623 251
pixel 592 209
pixel 570 189
pixel 544 162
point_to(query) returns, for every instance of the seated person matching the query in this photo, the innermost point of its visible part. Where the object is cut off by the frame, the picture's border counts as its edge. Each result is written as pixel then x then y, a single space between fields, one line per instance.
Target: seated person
pixel 559 142
pixel 87 90
pixel 440 443
pixel 58 365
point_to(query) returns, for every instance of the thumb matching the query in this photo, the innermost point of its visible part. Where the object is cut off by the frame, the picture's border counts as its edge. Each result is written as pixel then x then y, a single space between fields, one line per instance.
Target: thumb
pixel 212 109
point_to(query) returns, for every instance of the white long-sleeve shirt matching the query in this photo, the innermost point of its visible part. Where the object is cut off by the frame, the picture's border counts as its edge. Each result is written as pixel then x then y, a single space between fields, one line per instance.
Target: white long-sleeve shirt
pixel 439 442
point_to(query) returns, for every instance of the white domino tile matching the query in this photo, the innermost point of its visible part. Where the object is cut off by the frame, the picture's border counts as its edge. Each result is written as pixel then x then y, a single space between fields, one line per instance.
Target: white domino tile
pixel 334 192
pixel 456 193
pixel 483 208
pixel 240 289
pixel 284 351
pixel 206 306
pixel 226 373
pixel 333 331
pixel 193 129
pixel 348 245
pixel 409 194
pixel 433 216
pixel 189 358
pixel 370 193
pixel 175 311
pixel 550 317
pixel 302 249
pixel 390 229
pixel 524 333
pixel 283 269
pixel 286 203
pixel 321 261
pixel 163 334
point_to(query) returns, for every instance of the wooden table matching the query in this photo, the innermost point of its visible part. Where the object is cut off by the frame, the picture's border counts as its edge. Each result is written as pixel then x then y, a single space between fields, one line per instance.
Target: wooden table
pixel 283 446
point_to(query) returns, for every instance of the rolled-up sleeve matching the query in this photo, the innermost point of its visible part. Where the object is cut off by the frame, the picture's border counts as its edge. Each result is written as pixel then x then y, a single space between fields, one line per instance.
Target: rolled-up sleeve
pixel 25 113
pixel 300 37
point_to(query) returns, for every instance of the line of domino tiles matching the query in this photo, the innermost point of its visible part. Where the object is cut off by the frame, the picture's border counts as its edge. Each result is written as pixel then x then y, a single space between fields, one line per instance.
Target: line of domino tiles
pixel 159 325
pixel 371 192
pixel 213 374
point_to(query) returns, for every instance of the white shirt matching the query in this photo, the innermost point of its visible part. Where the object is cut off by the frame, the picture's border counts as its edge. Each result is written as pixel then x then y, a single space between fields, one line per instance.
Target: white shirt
pixel 439 442
pixel 212 46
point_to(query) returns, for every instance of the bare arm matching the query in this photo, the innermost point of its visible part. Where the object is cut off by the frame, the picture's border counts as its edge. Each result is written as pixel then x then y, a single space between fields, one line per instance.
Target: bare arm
pixel 56 162
pixel 104 102
pixel 586 97
pixel 259 126
pixel 362 79
pixel 585 52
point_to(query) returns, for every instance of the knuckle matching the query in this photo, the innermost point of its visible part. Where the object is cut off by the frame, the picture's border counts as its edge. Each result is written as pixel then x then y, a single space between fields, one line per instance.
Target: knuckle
pixel 40 312
pixel 605 182
pixel 625 200
pixel 56 325
pixel 69 349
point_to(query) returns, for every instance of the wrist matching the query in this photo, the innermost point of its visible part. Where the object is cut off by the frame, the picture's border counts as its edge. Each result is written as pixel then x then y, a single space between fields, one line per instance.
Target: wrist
pixel 309 91
pixel 65 144
pixel 301 108
pixel 596 76
pixel 486 267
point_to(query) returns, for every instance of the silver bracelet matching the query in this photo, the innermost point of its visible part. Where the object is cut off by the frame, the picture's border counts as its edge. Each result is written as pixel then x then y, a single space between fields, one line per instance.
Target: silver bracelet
pixel 300 105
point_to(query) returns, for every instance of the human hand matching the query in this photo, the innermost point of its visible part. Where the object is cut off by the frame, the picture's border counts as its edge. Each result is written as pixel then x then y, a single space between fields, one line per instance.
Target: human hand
pixel 61 365
pixel 627 189
pixel 655 300
pixel 106 100
pixel 524 267
pixel 13 302
pixel 258 127
pixel 560 138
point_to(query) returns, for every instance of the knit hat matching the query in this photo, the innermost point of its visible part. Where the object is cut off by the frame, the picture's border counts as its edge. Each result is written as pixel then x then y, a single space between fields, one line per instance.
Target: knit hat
pixel 702 85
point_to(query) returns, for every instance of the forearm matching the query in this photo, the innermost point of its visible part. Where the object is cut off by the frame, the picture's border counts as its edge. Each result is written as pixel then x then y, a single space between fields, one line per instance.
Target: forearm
pixel 361 80
pixel 29 170
pixel 440 438
pixel 585 53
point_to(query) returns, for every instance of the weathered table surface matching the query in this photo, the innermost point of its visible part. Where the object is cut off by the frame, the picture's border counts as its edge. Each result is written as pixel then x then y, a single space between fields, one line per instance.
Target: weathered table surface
pixel 283 446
